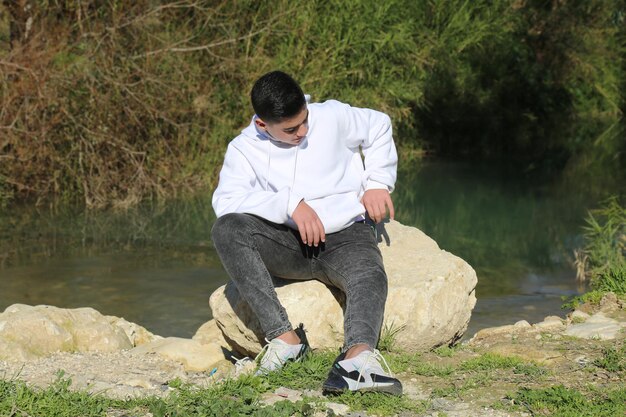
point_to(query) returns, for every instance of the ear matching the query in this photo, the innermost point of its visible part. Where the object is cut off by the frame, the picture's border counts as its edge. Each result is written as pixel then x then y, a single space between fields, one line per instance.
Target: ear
pixel 260 123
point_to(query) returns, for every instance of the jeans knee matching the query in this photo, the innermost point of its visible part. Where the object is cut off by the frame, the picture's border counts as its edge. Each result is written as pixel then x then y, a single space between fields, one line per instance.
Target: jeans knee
pixel 227 226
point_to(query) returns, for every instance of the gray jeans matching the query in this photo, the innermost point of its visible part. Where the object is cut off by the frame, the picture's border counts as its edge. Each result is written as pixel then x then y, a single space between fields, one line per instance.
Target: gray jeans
pixel 253 249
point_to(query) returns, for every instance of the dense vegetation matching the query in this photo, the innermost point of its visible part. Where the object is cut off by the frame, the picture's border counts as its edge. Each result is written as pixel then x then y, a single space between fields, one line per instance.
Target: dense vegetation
pixel 602 259
pixel 112 102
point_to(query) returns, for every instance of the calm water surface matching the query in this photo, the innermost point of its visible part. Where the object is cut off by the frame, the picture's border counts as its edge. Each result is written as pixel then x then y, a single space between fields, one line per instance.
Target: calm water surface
pixel 156 266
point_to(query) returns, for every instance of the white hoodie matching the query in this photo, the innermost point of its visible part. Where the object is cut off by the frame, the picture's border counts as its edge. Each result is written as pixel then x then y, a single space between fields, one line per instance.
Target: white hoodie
pixel 269 179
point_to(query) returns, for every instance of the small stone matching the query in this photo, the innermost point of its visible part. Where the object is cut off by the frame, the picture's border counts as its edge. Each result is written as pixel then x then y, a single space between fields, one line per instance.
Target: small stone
pixel 290 394
pixel 549 324
pixel 522 324
pixel 338 409
pixel 609 303
pixel 582 360
pixel 538 337
pixel 578 315
pixel 141 383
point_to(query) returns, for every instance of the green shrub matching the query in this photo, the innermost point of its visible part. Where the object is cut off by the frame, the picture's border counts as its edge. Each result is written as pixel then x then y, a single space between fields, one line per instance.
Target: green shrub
pixel 602 259
pixel 110 103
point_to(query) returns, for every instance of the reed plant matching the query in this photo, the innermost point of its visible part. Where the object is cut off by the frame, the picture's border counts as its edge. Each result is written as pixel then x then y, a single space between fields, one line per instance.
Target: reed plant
pixel 603 258
pixel 112 103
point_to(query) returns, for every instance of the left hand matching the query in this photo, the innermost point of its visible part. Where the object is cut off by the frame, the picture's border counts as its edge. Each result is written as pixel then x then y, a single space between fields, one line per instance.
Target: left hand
pixel 376 203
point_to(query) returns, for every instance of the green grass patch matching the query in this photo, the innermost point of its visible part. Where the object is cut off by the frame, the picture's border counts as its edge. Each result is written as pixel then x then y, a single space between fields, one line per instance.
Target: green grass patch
pixel 612 280
pixel 591 297
pixel 613 359
pixel 231 397
pixel 492 361
pixel 16 399
pixel 388 337
pixel 407 362
pixel 447 351
pixel 602 259
pixel 380 404
pixel 309 373
pixel 566 402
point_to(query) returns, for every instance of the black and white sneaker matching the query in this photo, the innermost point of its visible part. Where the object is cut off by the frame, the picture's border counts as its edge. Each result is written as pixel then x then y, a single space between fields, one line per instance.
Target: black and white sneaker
pixel 277 353
pixel 361 373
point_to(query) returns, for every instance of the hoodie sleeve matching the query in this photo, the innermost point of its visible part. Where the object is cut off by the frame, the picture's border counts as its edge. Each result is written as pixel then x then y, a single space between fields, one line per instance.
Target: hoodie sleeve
pixel 371 130
pixel 238 191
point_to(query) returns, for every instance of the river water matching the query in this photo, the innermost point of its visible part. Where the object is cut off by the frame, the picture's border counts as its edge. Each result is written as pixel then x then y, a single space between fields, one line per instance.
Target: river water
pixel 155 265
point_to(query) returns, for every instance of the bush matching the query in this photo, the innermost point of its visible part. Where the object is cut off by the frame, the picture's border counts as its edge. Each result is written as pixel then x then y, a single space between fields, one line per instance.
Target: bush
pixel 110 103
pixel 602 260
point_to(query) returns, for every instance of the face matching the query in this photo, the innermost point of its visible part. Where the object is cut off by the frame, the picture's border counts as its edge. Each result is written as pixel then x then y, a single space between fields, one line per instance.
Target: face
pixel 290 131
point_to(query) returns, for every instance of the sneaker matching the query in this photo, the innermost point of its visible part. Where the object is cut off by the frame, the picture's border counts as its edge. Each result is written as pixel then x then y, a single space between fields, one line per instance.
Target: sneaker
pixel 276 353
pixel 361 373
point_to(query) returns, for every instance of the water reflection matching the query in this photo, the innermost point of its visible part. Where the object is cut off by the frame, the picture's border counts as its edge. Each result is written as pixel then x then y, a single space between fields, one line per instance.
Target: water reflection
pixel 517 229
pixel 155 265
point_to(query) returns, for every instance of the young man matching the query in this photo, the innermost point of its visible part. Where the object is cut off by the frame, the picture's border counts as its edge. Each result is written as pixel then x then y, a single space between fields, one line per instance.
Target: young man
pixel 291 202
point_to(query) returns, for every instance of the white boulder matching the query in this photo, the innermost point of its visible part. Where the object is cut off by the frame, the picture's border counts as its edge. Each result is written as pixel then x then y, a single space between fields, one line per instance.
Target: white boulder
pixel 430 300
pixel 30 332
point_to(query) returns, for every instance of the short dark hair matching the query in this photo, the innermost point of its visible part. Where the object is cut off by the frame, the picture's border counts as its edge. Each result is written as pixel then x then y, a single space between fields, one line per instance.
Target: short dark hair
pixel 276 96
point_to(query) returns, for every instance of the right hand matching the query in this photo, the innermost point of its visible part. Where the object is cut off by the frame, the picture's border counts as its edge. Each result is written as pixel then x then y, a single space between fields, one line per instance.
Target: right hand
pixel 309 224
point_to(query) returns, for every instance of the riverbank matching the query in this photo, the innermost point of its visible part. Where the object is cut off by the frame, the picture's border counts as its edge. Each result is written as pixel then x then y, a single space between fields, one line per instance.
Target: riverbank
pixel 555 367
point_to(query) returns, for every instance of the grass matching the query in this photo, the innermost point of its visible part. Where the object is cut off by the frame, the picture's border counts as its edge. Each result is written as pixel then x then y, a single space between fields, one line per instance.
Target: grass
pixel 57 400
pixel 239 396
pixel 489 362
pixel 602 260
pixel 447 351
pixel 613 359
pixel 559 401
pixel 388 336
pixel 592 297
pixel 604 253
pixel 479 376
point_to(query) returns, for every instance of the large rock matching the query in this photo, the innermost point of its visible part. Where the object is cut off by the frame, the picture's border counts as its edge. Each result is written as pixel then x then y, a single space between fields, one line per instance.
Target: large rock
pixel 431 297
pixel 30 332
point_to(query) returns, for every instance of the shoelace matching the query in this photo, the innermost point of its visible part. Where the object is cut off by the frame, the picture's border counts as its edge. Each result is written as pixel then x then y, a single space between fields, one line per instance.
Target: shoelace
pixel 375 355
pixel 266 350
pixel 241 362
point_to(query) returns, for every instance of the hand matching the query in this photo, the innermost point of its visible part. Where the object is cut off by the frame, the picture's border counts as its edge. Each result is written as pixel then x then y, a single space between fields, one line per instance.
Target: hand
pixel 376 203
pixel 309 224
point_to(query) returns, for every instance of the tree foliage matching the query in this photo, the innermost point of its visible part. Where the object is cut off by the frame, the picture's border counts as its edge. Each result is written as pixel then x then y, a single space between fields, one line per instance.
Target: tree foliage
pixel 112 102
